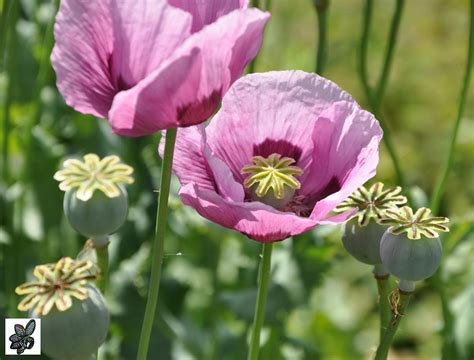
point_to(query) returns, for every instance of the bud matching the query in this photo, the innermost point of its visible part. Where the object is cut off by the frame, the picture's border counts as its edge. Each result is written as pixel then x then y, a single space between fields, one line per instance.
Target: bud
pixel 74 315
pixel 410 248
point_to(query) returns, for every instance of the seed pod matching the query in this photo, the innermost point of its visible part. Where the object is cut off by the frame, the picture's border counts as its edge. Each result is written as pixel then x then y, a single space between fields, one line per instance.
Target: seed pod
pixel 363 243
pixel 78 332
pixel 410 259
pixel 96 202
pixel 98 216
pixel 74 314
pixel 410 248
pixel 361 236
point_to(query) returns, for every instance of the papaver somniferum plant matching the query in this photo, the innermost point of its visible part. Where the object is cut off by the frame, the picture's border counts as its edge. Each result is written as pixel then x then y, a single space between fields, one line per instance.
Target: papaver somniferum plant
pixel 282 152
pixel 362 234
pixel 148 65
pixel 411 250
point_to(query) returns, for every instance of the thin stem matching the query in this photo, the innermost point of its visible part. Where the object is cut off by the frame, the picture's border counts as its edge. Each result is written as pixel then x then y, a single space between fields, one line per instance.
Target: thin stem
pixel 398 311
pixel 374 98
pixel 394 29
pixel 4 30
pixel 321 11
pixel 158 246
pixel 253 63
pixel 102 254
pixel 44 66
pixel 383 285
pixel 364 44
pixel 8 41
pixel 268 5
pixel 449 350
pixel 263 281
pixel 443 175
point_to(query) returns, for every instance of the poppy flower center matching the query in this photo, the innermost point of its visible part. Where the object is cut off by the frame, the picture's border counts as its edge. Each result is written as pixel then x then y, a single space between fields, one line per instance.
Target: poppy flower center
pixel 272 179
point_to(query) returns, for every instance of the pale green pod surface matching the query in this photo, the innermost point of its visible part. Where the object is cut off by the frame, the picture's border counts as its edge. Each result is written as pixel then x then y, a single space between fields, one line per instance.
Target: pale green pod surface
pixel 363 242
pixel 78 332
pixel 407 259
pixel 98 216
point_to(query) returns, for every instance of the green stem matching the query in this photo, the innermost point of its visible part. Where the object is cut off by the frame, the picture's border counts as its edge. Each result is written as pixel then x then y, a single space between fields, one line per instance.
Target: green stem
pixel 263 281
pixel 268 5
pixel 44 66
pixel 374 98
pixel 443 176
pixel 394 30
pixel 397 314
pixel 383 285
pixel 449 349
pixel 158 246
pixel 10 43
pixel 321 11
pixel 4 30
pixel 101 246
pixel 364 78
pixel 253 63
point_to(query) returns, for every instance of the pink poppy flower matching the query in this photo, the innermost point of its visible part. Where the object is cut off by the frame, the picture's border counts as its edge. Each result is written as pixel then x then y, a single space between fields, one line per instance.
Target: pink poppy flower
pixel 147 65
pixel 283 151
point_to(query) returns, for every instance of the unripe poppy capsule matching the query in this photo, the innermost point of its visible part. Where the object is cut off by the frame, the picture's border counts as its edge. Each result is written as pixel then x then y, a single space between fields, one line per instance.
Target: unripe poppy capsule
pixel 363 243
pixel 408 259
pixel 410 248
pixel 79 331
pixel 96 202
pixel 98 216
pixel 74 315
pixel 362 234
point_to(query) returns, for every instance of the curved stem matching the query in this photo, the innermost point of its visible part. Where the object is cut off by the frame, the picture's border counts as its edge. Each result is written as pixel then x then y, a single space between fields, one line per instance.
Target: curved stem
pixel 443 176
pixel 158 246
pixel 263 280
pixel 374 98
pixel 449 349
pixel 395 26
pixel 321 11
pixel 383 284
pixel 398 311
pixel 364 44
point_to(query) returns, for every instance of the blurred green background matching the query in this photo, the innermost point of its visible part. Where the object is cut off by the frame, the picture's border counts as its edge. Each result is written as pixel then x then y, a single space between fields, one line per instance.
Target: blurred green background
pixel 322 303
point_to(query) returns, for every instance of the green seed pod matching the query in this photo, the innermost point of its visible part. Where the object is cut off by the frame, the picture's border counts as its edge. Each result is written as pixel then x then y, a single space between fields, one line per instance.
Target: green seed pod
pixel 98 216
pixel 410 248
pixel 96 202
pixel 410 259
pixel 363 243
pixel 74 314
pixel 78 332
pixel 362 234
